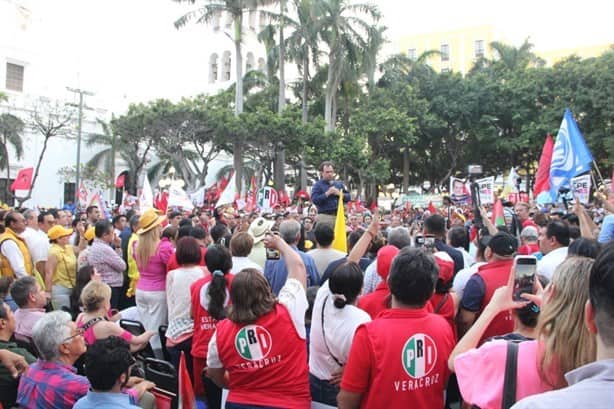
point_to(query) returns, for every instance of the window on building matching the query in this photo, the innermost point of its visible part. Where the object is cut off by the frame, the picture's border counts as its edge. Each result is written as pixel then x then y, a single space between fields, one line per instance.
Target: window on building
pixel 479 48
pixel 252 19
pixel 249 64
pixel 229 20
pixel 213 68
pixel 4 190
pixel 217 17
pixel 14 77
pixel 445 52
pixel 411 54
pixel 227 64
pixel 69 192
pixel 261 64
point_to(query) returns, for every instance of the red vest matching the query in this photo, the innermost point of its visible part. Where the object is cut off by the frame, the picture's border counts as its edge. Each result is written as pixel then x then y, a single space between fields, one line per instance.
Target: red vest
pixel 445 305
pixel 204 324
pixel 377 301
pixel 409 364
pixel 266 361
pixel 495 275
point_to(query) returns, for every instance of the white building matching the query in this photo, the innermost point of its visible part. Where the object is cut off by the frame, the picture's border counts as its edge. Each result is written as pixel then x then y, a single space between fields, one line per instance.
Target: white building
pixel 102 47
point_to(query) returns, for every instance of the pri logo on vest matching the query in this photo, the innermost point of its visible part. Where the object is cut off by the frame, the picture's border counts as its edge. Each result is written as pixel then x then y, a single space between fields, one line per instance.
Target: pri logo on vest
pixel 419 355
pixel 253 342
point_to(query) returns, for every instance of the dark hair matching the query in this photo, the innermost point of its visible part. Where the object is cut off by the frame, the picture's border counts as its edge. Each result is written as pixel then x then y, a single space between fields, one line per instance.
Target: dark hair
pixel 84 276
pixel 458 237
pixel 184 231
pixel 325 163
pixel 198 232
pixel 106 360
pixel 21 289
pixel 345 280
pixel 42 215
pixel 241 244
pixel 10 218
pixel 251 297
pixel 172 215
pixel 311 293
pixel 170 232
pixel 413 276
pixel 3 314
pixel 218 260
pixel 584 247
pixel 188 251
pixel 435 224
pixel 324 234
pixel 353 237
pixel 559 230
pixel 574 232
pixel 102 227
pixel 185 222
pixel 118 218
pixel 134 222
pixel 601 293
pixel 218 231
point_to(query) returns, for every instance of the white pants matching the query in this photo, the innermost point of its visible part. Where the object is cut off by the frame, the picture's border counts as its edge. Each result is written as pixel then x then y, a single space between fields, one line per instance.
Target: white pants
pixel 60 297
pixel 153 312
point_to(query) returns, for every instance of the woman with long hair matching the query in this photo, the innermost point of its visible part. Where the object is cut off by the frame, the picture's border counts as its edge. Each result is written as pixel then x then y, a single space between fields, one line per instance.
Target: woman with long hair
pixel 178 282
pixel 61 267
pixel 210 297
pixel 85 274
pixel 259 352
pixel 152 254
pixel 563 342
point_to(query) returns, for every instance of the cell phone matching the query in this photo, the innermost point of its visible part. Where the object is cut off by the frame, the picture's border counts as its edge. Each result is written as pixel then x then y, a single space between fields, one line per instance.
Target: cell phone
pixel 524 276
pixel 272 254
pixel 419 241
pixel 429 242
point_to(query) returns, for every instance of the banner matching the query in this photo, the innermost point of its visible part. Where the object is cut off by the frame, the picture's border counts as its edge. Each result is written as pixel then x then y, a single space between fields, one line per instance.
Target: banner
pixel 486 190
pixel 229 194
pixel 417 200
pixel 581 188
pixel 146 198
pixel 267 198
pixel 198 197
pixel 570 156
pixel 177 197
pixel 460 194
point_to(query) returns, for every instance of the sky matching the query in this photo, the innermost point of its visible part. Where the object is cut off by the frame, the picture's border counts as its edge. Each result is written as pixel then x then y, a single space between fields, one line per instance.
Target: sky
pixel 128 50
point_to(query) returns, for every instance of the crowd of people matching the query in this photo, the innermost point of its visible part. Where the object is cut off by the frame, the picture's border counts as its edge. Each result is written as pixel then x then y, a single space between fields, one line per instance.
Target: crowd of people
pixel 421 311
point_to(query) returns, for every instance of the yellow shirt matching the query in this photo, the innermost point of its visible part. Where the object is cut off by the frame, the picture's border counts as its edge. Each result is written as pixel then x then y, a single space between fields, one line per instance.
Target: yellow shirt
pixel 66 269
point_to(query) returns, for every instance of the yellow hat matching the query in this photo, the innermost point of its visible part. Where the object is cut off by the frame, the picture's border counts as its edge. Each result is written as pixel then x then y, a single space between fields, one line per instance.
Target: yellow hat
pixel 148 220
pixel 58 231
pixel 89 233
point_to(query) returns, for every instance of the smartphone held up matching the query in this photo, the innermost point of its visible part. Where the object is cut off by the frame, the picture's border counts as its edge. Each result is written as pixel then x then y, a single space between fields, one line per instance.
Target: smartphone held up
pixel 525 268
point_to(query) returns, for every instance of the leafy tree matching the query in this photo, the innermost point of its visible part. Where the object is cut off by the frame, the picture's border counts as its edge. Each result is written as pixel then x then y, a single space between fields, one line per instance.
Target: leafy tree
pixel 11 131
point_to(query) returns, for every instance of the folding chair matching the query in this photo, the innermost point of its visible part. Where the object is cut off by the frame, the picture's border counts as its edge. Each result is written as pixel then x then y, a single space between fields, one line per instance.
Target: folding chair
pixel 162 333
pixel 136 328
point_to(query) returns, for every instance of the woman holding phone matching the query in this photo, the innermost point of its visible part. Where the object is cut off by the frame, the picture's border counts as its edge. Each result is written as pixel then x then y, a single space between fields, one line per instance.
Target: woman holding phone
pixel 562 344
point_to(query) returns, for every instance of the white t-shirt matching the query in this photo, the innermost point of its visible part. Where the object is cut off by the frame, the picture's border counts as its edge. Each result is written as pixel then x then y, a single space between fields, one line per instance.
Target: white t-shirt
pixel 292 296
pixel 323 257
pixel 239 263
pixel 38 244
pixel 339 325
pixel 551 261
pixel 461 278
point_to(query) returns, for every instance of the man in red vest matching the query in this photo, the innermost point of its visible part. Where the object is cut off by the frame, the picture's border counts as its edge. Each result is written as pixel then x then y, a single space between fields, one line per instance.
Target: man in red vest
pixel 399 359
pixel 499 255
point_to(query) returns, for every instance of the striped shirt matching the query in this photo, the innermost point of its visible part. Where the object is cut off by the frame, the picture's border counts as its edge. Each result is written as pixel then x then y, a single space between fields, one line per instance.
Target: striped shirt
pixel 107 262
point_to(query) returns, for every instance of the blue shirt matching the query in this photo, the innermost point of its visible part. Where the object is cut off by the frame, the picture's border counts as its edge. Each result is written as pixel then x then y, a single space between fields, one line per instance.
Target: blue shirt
pixel 327 204
pixel 276 271
pixel 607 229
pixel 105 400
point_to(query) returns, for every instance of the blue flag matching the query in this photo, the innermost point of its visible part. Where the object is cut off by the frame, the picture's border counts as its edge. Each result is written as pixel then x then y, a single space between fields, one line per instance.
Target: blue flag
pixel 570 156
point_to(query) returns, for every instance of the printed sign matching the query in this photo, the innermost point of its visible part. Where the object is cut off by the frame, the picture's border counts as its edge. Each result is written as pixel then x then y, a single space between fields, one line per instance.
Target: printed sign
pixel 267 198
pixel 459 191
pixel 487 190
pixel 581 188
pixel 419 355
pixel 253 342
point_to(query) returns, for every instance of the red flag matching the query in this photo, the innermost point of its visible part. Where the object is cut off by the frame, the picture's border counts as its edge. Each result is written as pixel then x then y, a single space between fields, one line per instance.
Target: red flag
pixel 432 208
pixel 23 181
pixel 120 181
pixel 542 177
pixel 187 399
pixel 498 219
pixel 252 194
pixel 161 201
pixel 373 205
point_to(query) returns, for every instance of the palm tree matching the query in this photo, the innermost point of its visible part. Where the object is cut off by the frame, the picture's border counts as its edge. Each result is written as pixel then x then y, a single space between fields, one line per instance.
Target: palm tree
pixel 344 33
pixel 375 41
pixel 11 129
pixel 514 58
pixel 205 14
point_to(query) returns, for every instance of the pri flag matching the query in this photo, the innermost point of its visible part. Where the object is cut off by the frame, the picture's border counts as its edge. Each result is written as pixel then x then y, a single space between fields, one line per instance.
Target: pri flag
pixel 267 198
pixel 97 201
pixel 542 177
pixel 146 198
pixel 252 193
pixel 229 194
pixel 498 219
pixel 23 181
pixel 177 197
pixel 570 156
pixel 83 195
pixel 340 241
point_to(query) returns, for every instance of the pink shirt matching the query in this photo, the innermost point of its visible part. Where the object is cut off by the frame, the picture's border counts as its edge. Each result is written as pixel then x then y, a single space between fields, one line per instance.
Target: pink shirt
pixel 25 318
pixel 153 276
pixel 481 371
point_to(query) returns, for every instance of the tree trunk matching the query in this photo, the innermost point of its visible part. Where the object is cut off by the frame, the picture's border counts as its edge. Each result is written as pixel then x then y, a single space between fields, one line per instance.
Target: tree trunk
pixel 282 57
pixel 302 175
pixel 405 170
pixel 237 146
pixel 305 78
pixel 328 101
pixel 279 168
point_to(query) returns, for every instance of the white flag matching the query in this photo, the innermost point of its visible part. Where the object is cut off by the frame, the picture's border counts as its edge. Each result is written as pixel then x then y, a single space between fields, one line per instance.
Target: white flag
pixel 229 193
pixel 146 198
pixel 177 197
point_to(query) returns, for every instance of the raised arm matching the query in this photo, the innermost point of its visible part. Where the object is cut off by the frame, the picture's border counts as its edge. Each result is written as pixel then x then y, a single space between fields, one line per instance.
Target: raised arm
pixel 362 245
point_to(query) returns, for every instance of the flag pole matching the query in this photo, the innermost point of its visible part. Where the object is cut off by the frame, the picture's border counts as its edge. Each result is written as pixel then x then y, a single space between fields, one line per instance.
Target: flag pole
pixel 598 172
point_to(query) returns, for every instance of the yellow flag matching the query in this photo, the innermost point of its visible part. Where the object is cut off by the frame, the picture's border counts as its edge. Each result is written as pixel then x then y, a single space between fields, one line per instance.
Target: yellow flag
pixel 340 241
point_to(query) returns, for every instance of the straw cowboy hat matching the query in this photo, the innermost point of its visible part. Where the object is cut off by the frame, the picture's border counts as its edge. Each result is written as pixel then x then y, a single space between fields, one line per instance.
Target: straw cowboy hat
pixel 148 220
pixel 259 227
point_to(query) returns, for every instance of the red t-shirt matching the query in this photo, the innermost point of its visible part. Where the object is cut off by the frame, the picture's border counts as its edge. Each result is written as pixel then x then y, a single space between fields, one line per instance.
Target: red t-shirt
pixel 445 302
pixel 400 360
pixel 528 249
pixel 204 324
pixel 173 265
pixel 495 274
pixel 266 361
pixel 377 301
